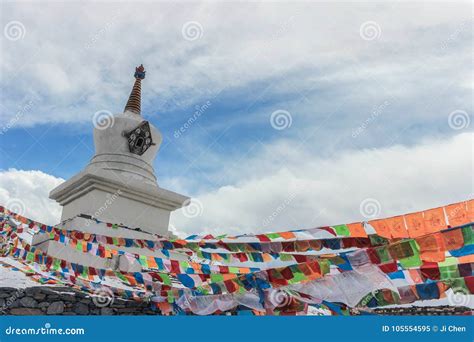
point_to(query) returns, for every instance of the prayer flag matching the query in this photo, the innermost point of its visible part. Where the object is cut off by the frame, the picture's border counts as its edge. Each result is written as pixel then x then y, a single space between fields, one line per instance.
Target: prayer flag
pixel 415 224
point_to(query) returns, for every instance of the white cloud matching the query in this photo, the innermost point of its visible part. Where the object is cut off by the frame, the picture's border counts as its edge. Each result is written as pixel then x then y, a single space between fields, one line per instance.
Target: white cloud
pixel 80 66
pixel 286 188
pixel 26 192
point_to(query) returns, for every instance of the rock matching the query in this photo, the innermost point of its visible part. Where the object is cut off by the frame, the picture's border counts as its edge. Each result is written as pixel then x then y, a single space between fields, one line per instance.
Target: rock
pixel 25 311
pixel 30 291
pixel 81 309
pixel 68 297
pixel 28 302
pixel 39 296
pixel 106 311
pixel 12 303
pixel 43 305
pixel 5 294
pixel 55 308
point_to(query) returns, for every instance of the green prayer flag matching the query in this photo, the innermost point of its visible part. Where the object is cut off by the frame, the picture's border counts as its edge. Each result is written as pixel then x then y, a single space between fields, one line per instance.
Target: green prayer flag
pixel 30 256
pixel 448 269
pixel 166 278
pixel 468 235
pixel 381 299
pixel 272 235
pixel 377 240
pixel 412 261
pixel 286 257
pixel 215 278
pixel 458 285
pixel 342 229
pixel 143 261
pixel 383 254
pixel 325 266
pixel 298 276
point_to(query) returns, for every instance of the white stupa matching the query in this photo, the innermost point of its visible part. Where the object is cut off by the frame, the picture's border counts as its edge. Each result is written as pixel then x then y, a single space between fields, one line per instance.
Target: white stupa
pixel 122 168
pixel 118 186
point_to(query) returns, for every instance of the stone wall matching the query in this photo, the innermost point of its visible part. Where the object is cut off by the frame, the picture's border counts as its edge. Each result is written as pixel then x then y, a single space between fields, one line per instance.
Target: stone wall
pixel 49 300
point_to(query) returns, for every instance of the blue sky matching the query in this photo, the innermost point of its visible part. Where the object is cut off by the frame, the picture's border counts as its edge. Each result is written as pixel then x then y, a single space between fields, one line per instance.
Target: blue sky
pixel 361 83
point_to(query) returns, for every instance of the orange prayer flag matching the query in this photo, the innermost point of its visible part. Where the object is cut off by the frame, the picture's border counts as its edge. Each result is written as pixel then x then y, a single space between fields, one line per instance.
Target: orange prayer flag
pixel 434 220
pixel 457 214
pixel 152 262
pixel 287 235
pixel 228 276
pixel 357 229
pixel 397 227
pixel 381 227
pixel 453 239
pixel 470 210
pixel 415 224
pixel 465 259
pixel 432 247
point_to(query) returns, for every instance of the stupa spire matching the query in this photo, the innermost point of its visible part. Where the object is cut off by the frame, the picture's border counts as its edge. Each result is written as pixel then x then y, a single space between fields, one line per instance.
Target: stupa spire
pixel 135 98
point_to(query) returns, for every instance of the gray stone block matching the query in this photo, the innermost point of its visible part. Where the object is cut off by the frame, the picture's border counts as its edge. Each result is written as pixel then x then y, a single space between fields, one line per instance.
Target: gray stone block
pixel 28 302
pixel 55 308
